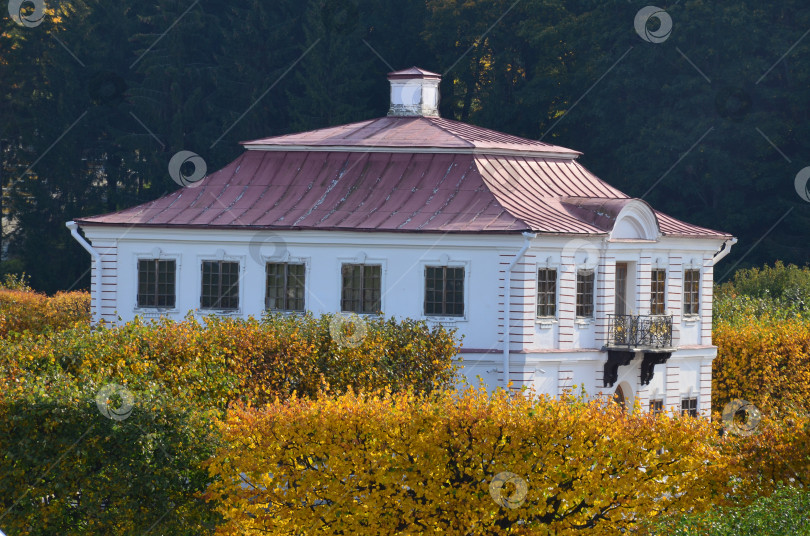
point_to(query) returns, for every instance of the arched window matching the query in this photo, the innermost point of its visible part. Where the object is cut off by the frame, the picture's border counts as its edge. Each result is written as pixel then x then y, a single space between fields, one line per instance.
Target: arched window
pixel 620 398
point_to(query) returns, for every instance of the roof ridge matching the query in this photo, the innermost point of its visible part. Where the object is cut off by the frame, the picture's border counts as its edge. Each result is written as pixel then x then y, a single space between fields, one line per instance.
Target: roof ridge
pixel 433 121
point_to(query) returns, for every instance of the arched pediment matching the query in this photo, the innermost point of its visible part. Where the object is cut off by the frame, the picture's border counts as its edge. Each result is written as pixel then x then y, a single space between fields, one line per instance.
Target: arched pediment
pixel 623 218
pixel 635 221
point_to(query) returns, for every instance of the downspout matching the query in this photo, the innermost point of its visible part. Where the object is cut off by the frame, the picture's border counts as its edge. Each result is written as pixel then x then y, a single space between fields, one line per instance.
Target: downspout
pixel 725 250
pixel 74 232
pixel 507 304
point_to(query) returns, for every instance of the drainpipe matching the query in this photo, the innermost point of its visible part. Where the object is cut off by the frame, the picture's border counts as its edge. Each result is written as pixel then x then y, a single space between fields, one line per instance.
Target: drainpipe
pixel 507 304
pixel 725 250
pixel 74 232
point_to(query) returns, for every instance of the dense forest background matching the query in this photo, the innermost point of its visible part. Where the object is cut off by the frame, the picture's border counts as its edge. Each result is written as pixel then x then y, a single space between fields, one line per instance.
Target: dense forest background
pixel 710 125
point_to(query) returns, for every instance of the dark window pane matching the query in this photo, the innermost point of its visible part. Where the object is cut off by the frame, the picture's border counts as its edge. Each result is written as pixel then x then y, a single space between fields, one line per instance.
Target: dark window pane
pixel 361 289
pixel 585 281
pixel 156 283
pixel 657 292
pixel 220 285
pixel 285 287
pixel 444 291
pixel 689 407
pixel 546 292
pixel 691 292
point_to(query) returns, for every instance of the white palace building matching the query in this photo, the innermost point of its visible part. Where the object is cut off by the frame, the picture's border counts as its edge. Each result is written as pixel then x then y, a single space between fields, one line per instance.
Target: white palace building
pixel 418 216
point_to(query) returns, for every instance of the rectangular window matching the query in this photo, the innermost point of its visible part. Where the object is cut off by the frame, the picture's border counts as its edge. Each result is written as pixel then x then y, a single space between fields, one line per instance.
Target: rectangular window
pixel 620 299
pixel 444 291
pixel 285 287
pixel 220 285
pixel 585 280
pixel 156 287
pixel 546 292
pixel 658 286
pixel 656 407
pixel 361 288
pixel 691 292
pixel 689 407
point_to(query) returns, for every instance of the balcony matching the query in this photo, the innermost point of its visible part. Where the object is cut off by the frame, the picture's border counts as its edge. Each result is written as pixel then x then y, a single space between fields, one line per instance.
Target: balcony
pixel 627 334
pixel 639 332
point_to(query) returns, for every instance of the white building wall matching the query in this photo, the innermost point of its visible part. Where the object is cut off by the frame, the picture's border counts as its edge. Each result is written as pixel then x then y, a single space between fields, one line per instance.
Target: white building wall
pixel 108 250
pixel 547 354
pixel 674 304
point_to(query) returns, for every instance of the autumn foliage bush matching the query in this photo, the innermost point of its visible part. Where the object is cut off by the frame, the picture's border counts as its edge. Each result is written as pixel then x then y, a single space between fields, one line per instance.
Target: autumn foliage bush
pixel 224 359
pixel 762 333
pixel 764 361
pixel 302 424
pixel 65 468
pixel 25 310
pixel 404 464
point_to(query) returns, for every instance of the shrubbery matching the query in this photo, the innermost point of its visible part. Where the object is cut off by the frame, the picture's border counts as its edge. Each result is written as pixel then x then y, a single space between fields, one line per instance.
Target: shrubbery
pixel 764 361
pixel 777 293
pixel 222 359
pixel 290 424
pixel 68 469
pixel 23 310
pixel 402 464
pixel 785 512
pixel 789 284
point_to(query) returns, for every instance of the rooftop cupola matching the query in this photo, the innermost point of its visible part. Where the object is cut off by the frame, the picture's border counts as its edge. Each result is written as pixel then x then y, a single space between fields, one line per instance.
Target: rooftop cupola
pixel 414 92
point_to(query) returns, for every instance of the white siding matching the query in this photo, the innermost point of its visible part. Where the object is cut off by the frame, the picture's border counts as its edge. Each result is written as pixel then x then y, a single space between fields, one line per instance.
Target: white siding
pixel 549 356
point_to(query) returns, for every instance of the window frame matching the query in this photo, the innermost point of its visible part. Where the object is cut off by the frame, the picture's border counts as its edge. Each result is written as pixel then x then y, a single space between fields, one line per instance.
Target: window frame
pixel 156 259
pixel 655 292
pixel 553 293
pixel 582 304
pixel 239 272
pixel 691 412
pixel 285 285
pixel 364 263
pixel 656 402
pixel 463 293
pixel 693 306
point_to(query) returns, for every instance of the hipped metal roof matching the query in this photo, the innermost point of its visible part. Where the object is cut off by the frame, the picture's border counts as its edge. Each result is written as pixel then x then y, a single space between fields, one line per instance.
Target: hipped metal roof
pixel 405 174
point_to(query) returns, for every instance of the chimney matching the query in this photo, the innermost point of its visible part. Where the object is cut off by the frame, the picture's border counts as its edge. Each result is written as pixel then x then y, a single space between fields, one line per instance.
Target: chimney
pixel 414 92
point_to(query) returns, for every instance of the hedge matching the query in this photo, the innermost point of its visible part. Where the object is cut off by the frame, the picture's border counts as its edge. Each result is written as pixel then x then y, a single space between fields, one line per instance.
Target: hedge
pixel 404 464
pixel 68 468
pixel 785 512
pixel 24 310
pixel 764 361
pixel 65 468
pixel 217 360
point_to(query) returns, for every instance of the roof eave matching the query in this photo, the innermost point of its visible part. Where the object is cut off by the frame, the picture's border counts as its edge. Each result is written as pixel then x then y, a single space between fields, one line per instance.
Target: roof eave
pixel 411 149
pixel 88 223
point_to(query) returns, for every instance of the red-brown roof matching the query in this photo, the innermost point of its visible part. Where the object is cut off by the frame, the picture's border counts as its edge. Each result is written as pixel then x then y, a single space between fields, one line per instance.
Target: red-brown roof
pixel 411 73
pixel 410 134
pixel 386 191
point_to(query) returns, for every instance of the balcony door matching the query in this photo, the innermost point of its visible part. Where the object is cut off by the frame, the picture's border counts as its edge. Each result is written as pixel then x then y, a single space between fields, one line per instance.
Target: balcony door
pixel 620 297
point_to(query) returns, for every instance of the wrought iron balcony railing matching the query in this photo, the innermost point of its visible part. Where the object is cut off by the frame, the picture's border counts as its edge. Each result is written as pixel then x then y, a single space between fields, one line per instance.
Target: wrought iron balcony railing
pixel 639 331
